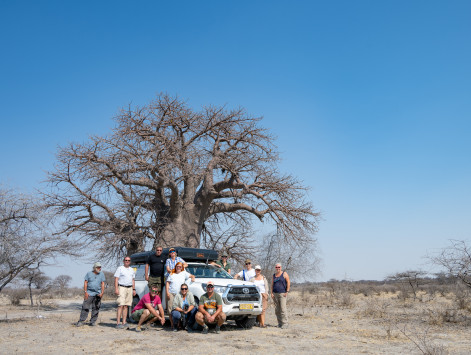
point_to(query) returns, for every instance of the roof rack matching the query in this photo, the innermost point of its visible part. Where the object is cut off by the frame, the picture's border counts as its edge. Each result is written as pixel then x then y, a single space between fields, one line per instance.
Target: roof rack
pixel 187 254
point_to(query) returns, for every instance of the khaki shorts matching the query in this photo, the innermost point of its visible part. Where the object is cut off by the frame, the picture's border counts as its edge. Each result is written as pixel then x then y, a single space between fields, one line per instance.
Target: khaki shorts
pixel 136 315
pixel 170 303
pixel 125 296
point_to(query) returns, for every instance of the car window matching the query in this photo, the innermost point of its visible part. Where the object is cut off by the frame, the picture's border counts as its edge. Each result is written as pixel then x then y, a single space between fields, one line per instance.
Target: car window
pixel 140 271
pixel 207 271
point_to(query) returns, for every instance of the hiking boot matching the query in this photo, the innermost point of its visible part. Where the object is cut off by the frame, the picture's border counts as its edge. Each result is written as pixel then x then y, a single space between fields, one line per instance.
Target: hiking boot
pixel 205 329
pixel 79 324
pixel 119 326
pixel 218 329
pixel 125 326
pixel 138 329
pixel 93 324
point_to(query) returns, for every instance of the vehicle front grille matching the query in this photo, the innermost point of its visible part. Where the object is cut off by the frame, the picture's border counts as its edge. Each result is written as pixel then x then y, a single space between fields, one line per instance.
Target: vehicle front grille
pixel 243 294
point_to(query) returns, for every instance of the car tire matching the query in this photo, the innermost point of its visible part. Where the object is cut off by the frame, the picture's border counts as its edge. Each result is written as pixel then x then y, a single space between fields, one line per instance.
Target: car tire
pixel 246 322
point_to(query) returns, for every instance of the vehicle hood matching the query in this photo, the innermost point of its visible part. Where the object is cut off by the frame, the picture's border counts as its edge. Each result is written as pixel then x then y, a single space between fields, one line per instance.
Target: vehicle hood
pixel 223 282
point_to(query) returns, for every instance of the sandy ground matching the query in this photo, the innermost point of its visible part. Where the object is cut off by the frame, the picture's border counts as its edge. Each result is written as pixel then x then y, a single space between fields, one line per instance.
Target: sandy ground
pixel 312 330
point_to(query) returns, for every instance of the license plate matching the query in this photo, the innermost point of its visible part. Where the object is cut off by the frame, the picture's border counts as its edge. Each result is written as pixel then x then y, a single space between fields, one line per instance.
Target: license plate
pixel 246 306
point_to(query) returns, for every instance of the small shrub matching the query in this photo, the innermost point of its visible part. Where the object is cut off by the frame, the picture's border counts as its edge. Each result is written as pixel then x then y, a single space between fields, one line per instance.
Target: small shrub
pixel 375 308
pixel 16 295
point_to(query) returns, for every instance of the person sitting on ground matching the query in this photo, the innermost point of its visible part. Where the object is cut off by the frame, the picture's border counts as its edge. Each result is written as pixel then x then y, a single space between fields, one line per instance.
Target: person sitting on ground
pixel 210 309
pixel 223 263
pixel 172 261
pixel 146 309
pixel 184 309
pixel 247 273
pixel 94 287
pixel 174 282
pixel 262 285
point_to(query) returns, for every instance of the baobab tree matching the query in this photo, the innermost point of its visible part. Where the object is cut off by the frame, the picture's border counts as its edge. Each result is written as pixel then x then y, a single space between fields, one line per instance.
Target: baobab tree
pixel 170 175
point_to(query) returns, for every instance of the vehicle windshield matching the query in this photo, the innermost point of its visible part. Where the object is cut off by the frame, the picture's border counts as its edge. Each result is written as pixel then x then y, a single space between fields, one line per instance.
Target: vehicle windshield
pixel 207 271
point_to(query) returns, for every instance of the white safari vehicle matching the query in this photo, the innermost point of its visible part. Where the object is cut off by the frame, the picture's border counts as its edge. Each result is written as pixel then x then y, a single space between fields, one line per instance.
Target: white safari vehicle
pixel 241 299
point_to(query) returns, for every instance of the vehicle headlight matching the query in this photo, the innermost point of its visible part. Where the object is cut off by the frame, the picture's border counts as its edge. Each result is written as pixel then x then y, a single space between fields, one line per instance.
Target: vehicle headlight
pixel 218 289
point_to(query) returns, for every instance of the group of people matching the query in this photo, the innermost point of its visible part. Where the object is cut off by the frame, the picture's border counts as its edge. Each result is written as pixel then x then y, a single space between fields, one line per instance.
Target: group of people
pixel 183 311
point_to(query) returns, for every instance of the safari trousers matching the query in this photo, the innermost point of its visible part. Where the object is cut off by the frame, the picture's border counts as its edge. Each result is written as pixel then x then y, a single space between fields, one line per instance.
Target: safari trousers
pixel 280 308
pixel 93 302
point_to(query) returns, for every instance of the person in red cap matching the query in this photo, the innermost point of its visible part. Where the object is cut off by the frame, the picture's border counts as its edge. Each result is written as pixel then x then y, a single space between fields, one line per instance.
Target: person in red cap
pixel 210 309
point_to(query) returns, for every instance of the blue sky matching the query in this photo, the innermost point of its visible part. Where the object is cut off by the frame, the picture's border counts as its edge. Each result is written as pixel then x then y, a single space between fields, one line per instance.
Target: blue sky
pixel 370 101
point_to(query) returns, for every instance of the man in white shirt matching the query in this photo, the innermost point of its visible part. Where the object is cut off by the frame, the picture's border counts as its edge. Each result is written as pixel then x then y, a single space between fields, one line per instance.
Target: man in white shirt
pixel 247 273
pixel 125 289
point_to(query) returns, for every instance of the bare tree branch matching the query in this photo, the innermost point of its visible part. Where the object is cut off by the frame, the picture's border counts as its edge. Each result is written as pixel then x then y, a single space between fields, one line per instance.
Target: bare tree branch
pixel 26 236
pixel 166 170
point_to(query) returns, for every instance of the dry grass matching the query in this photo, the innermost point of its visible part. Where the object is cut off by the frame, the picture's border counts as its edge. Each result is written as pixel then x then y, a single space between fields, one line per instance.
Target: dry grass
pixel 335 318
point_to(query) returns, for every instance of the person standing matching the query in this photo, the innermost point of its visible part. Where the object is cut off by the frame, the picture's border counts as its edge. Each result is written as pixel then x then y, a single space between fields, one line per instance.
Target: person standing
pixel 279 291
pixel 125 289
pixel 94 287
pixel 210 309
pixel 155 269
pixel 247 273
pixel 262 285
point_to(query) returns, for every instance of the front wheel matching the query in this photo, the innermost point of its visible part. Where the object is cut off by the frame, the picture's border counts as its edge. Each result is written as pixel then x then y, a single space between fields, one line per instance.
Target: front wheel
pixel 246 322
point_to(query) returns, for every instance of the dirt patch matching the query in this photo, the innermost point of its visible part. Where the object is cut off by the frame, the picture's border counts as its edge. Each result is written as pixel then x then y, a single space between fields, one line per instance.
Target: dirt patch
pixel 370 325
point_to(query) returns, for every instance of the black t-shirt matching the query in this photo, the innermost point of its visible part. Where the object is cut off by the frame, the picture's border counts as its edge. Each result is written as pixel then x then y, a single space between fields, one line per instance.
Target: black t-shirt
pixel 157 265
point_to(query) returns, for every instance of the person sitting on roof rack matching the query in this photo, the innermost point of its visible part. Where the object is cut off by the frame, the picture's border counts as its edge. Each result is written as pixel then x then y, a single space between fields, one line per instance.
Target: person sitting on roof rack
pixel 223 263
pixel 172 262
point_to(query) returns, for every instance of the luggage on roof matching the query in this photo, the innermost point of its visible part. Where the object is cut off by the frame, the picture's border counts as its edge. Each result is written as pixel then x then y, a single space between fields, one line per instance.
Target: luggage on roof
pixel 187 254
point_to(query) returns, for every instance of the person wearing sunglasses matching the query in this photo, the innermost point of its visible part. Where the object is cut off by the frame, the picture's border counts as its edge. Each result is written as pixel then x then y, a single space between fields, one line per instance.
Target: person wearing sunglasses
pixel 247 273
pixel 210 309
pixel 125 289
pixel 94 287
pixel 149 309
pixel 184 309
pixel 279 291
pixel 172 261
pixel 174 282
pixel 223 263
pixel 262 285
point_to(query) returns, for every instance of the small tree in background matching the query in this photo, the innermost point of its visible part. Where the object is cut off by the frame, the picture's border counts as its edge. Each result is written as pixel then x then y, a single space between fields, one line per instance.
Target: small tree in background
pixel 61 284
pixel 410 279
pixel 34 277
pixel 456 260
pixel 26 236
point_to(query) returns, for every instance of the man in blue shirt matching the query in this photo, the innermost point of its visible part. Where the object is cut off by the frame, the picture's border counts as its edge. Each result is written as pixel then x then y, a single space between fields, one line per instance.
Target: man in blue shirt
pixel 94 287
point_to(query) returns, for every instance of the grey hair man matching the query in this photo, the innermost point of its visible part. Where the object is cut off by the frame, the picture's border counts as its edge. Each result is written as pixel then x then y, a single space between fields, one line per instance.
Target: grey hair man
pixel 93 287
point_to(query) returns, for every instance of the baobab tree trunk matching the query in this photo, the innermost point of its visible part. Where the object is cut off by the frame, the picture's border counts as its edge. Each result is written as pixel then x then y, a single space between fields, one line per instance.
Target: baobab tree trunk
pixel 185 230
